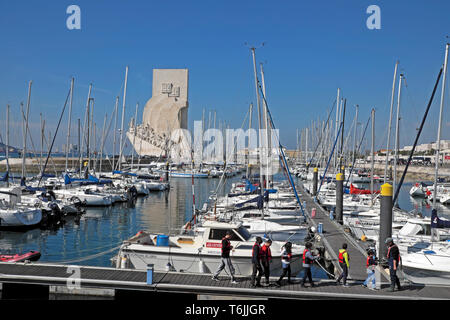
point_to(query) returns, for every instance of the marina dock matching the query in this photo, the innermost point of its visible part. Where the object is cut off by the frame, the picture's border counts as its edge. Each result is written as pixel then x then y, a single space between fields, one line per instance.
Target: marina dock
pixel 37 279
pixel 44 280
pixel 334 236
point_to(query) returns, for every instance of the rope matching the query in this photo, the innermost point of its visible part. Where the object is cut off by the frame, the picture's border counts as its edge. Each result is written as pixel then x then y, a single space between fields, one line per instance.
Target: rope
pixel 89 257
pixel 332 275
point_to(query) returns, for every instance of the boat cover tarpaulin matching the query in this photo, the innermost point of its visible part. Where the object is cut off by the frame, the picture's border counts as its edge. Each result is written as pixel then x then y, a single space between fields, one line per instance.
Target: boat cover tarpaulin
pixel 258 200
pixel 438 223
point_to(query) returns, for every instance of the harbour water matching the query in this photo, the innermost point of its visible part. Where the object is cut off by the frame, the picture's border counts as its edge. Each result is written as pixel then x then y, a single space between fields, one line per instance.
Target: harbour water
pixel 94 240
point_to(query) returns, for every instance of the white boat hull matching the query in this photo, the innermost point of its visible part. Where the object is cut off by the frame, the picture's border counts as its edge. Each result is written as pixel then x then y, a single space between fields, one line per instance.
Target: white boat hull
pixel 190 262
pixel 11 218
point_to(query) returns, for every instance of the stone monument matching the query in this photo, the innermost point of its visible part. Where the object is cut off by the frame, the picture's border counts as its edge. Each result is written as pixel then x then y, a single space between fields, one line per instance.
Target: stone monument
pixel 164 113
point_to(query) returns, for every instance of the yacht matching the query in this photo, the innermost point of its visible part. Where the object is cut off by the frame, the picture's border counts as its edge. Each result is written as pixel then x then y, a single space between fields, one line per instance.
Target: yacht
pixel 199 250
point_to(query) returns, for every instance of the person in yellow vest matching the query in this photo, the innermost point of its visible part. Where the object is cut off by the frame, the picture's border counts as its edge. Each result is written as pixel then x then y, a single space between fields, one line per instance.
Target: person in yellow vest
pixel 344 264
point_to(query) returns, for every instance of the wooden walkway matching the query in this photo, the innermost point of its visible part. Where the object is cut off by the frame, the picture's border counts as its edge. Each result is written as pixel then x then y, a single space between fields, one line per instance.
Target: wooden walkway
pixel 198 284
pixel 334 236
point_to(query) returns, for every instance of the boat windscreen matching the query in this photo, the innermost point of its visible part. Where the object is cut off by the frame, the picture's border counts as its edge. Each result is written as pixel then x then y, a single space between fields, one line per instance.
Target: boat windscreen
pixel 244 233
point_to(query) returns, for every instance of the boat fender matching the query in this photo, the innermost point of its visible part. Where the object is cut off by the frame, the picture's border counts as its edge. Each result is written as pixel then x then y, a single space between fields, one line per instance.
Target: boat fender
pixel 124 263
pixel 201 266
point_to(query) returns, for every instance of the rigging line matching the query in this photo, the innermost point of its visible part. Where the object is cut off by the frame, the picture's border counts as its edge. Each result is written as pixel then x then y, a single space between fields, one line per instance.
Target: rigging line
pixel 417 136
pixel 357 151
pixel 282 152
pixel 226 164
pixel 54 138
pixel 31 138
pixel 321 135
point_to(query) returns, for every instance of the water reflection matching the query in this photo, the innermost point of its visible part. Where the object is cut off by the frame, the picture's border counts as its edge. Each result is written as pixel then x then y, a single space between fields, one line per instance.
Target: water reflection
pixel 101 229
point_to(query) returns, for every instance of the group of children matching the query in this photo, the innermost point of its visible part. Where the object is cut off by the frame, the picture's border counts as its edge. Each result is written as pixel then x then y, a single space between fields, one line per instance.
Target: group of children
pixel 262 256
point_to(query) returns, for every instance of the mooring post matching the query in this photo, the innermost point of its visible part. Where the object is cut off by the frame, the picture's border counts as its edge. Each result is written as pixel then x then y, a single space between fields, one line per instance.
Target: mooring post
pixel 385 218
pixel 339 197
pixel 315 179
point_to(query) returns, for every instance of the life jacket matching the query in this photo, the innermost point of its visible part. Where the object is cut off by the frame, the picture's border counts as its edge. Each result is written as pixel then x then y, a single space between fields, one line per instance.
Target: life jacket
pixel 226 248
pixel 305 259
pixel 341 256
pixel 367 261
pixel 265 253
pixel 256 245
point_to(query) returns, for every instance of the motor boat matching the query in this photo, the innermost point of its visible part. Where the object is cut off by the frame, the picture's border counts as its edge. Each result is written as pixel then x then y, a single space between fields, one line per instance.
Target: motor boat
pixel 199 250
pixel 418 190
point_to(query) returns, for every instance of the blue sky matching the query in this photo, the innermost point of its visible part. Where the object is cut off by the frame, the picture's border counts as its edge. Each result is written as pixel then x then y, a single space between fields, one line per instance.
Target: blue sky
pixel 311 48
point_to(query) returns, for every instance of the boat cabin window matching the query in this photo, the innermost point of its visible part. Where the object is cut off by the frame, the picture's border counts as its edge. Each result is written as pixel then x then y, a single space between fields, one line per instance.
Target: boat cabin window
pixel 244 233
pixel 218 234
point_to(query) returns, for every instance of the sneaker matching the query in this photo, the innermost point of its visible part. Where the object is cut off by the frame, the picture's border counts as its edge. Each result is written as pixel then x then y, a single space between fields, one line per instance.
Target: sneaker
pixel 278 284
pixel 338 282
pixel 364 286
pixel 346 285
pixel 233 281
pixel 215 278
pixel 374 289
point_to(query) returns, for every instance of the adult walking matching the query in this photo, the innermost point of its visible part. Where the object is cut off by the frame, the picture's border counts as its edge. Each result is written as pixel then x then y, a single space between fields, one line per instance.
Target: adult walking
pixel 308 260
pixel 225 258
pixel 393 257
pixel 344 264
pixel 371 264
pixel 266 259
pixel 256 262
pixel 286 256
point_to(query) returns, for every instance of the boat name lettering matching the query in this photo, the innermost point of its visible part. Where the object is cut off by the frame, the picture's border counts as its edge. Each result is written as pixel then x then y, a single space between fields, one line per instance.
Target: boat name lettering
pixel 213 245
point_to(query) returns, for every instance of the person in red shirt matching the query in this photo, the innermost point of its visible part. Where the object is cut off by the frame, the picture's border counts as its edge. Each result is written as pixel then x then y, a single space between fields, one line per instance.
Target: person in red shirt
pixel 266 259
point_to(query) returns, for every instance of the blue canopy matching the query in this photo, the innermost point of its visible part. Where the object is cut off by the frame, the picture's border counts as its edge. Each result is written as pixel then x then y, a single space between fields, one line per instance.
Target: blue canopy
pixel 90 180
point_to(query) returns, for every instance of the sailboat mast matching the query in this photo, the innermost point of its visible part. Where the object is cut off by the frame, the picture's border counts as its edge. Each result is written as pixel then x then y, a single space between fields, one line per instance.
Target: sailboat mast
pixel 249 140
pixel 354 133
pixel 7 142
pixel 134 135
pixel 390 122
pixel 438 149
pixel 123 118
pixel 372 152
pixel 258 105
pixel 397 134
pixel 86 118
pixel 68 124
pixel 115 132
pixel 266 125
pixel 337 121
